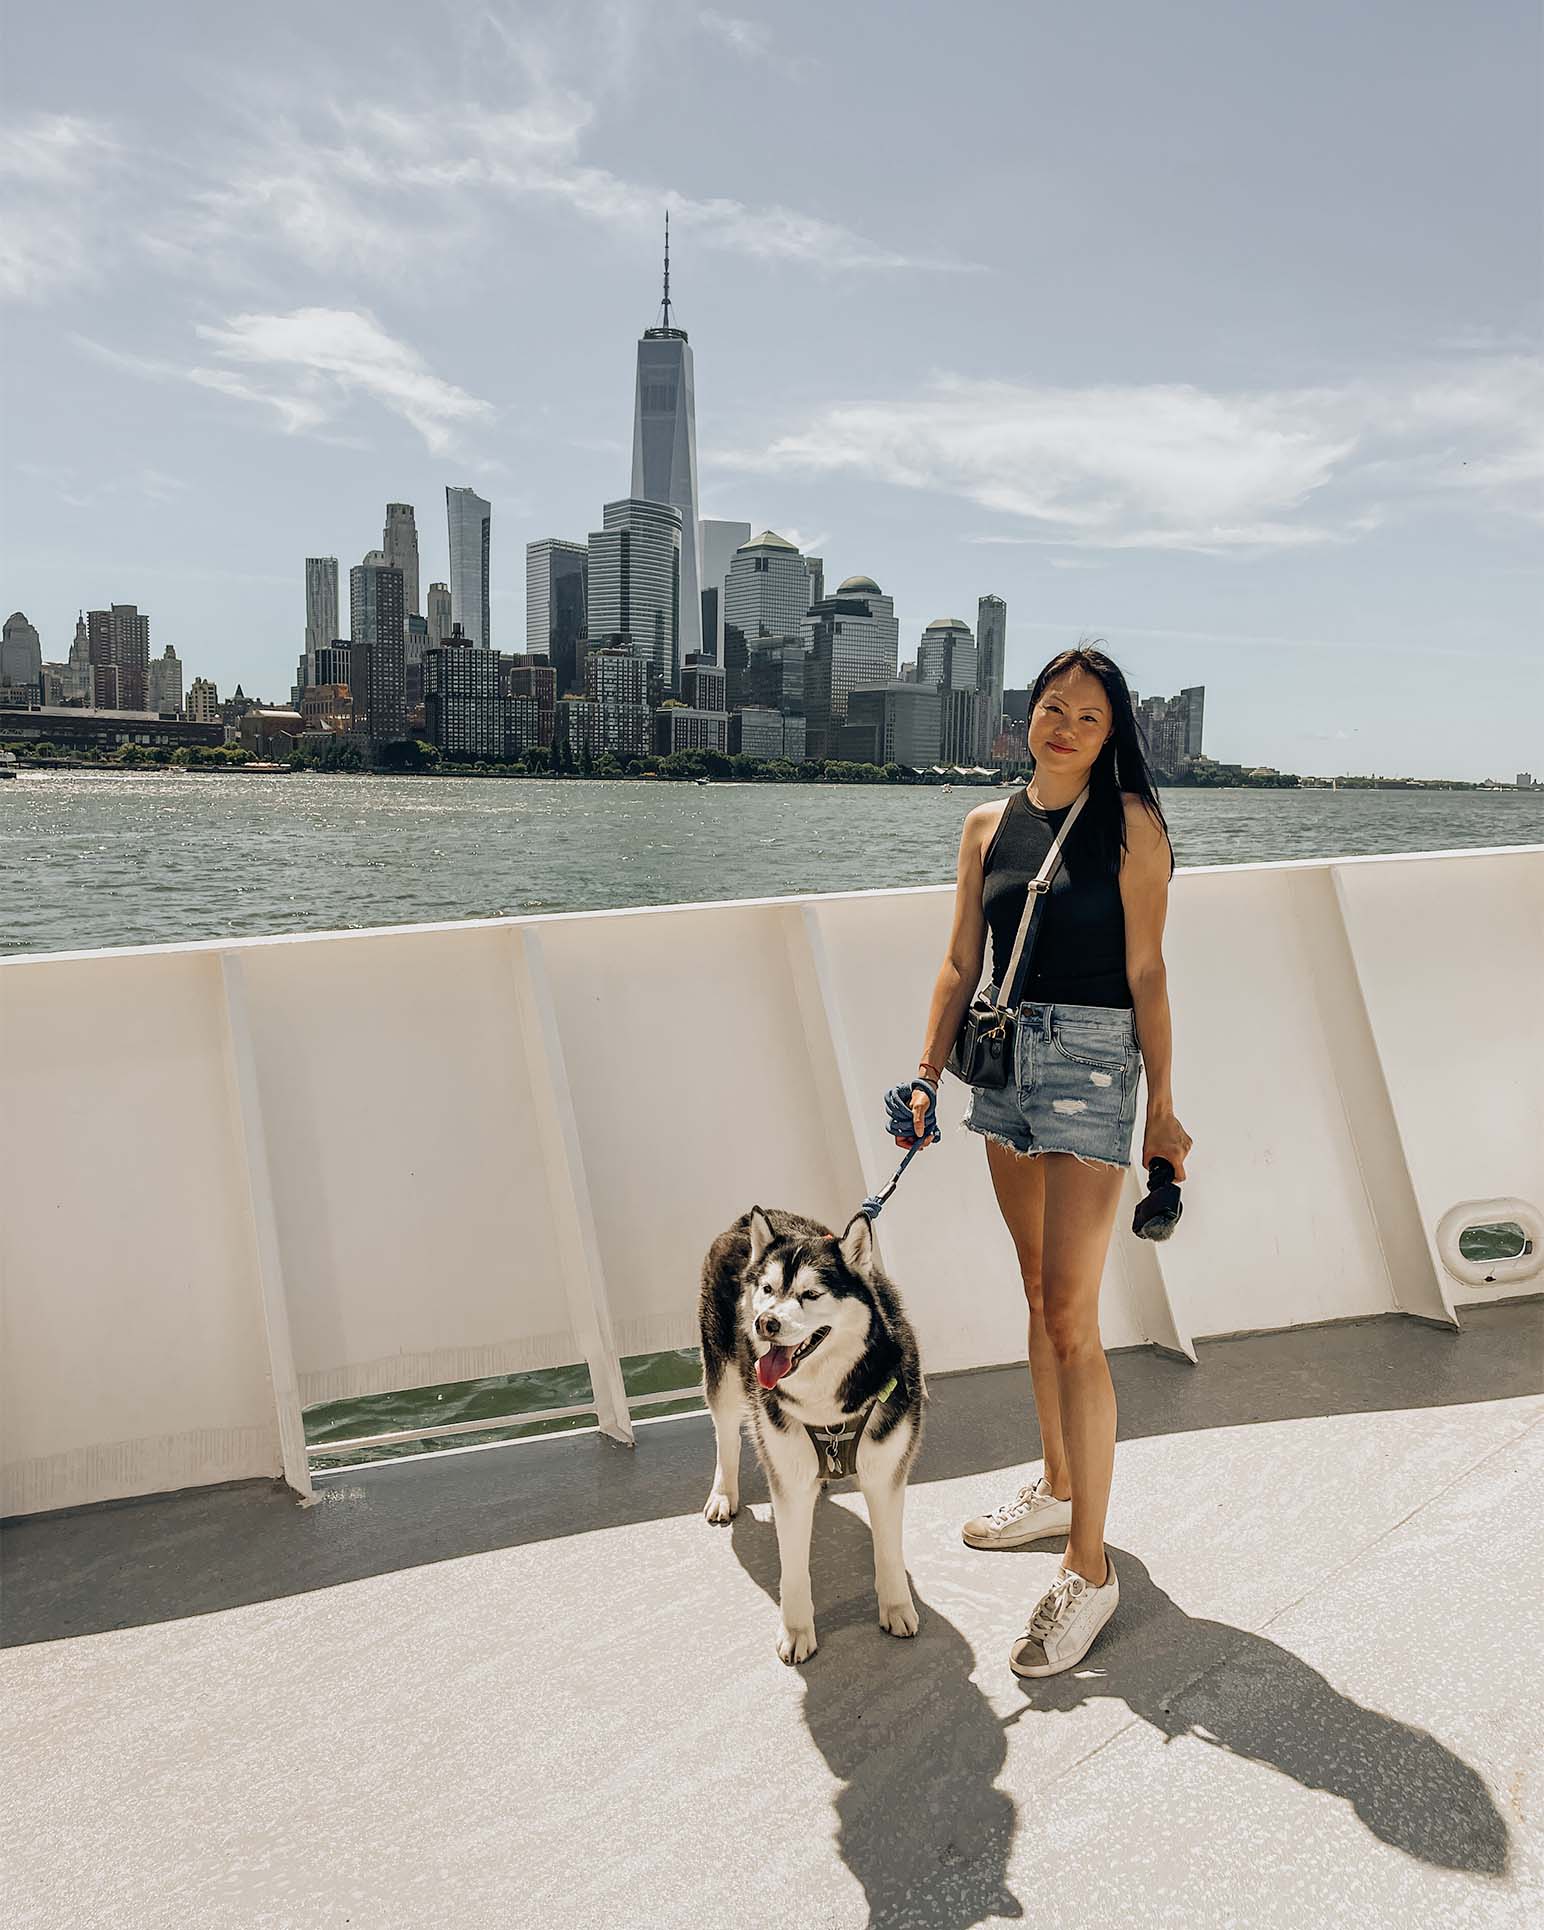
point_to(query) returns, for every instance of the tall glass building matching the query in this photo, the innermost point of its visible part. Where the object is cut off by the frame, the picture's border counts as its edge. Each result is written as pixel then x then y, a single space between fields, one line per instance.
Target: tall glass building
pixel 470 519
pixel 321 602
pixel 556 602
pixel 858 628
pixel 767 591
pixel 665 447
pixel 717 542
pixel 377 650
pixel 635 583
pixel 992 650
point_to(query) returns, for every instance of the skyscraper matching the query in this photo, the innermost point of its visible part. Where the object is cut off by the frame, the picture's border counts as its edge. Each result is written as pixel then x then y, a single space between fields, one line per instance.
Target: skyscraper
pixel 717 542
pixel 947 663
pixel 858 633
pixel 21 655
pixel 470 519
pixel 635 592
pixel 377 651
pixel 556 580
pixel 992 650
pixel 766 593
pixel 437 611
pixel 321 602
pixel 665 448
pixel 164 696
pixel 399 540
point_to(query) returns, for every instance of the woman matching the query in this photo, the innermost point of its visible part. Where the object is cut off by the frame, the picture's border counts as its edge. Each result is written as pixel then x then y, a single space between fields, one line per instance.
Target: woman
pixel 1058 1136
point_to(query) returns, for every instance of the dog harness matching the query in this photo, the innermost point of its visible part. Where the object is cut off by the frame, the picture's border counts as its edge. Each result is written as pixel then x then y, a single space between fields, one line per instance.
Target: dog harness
pixel 836 1448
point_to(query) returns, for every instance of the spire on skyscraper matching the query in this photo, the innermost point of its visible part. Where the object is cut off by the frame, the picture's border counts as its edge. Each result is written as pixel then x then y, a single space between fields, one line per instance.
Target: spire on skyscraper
pixel 662 331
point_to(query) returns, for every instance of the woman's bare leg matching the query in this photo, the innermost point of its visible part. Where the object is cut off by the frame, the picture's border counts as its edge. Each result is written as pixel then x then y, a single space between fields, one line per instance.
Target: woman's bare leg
pixel 1019 1184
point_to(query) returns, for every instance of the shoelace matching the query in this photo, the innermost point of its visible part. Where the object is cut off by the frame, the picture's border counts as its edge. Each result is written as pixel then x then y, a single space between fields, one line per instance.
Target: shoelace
pixel 1053 1604
pixel 1010 1511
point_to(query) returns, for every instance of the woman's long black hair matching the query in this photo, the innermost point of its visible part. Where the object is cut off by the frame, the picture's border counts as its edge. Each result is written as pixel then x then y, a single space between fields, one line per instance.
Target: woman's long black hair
pixel 1121 765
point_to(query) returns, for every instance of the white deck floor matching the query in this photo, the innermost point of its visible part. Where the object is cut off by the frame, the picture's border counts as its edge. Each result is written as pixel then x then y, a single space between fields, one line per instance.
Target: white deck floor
pixel 530 1686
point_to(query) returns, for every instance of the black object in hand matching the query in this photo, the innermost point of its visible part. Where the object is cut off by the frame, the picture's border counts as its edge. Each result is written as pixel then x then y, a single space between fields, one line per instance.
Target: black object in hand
pixel 1157 1215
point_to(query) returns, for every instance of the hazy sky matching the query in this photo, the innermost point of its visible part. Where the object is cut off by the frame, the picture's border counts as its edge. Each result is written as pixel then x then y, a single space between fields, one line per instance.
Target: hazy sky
pixel 1208 328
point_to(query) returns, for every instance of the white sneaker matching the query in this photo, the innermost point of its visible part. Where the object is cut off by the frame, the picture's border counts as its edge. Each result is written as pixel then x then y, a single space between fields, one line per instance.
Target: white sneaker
pixel 1033 1513
pixel 1067 1617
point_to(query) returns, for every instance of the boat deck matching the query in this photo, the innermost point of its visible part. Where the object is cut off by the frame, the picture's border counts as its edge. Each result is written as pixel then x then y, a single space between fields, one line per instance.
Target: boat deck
pixel 530 1685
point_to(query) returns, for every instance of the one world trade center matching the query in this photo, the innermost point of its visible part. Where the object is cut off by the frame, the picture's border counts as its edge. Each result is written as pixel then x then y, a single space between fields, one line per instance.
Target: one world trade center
pixel 665 448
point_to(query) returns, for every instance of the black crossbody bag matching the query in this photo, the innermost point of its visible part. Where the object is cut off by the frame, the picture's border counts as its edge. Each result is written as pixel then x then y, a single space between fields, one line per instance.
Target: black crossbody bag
pixel 982 1054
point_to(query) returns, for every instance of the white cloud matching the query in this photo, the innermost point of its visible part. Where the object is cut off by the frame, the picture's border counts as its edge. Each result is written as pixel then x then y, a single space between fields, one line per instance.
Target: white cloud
pixel 1175 467
pixel 307 365
pixel 51 168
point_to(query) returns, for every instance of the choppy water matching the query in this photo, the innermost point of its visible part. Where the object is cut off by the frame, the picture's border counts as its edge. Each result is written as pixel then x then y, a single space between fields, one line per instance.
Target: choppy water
pixel 93 859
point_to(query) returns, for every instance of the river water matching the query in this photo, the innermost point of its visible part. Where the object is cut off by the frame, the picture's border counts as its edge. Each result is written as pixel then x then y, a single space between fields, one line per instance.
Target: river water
pixel 90 859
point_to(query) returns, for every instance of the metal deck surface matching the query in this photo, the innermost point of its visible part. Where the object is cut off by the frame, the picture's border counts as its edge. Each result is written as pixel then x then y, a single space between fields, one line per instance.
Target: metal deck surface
pixel 530 1685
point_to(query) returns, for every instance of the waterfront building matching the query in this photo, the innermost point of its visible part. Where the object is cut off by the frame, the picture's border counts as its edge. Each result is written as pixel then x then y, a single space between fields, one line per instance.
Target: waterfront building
pixel 735 656
pixel 72 728
pixel 21 660
pixel 55 683
pixel 905 723
pixel 165 684
pixel 556 606
pixel 464 699
pixel 270 734
pixel 530 675
pixel 617 684
pixel 766 593
pixel 774 674
pixel 525 727
pixel 377 650
pixel 859 629
pixel 946 656
pixel 635 586
pixel 321 602
pixel 77 678
pixel 203 702
pixel 399 542
pixel 1172 727
pixel 702 685
pixel 717 540
pixel 470 519
pixel 437 612
pixel 679 727
pixel 665 452
pixel 757 731
pixel 327 707
pixel 118 646
pixel 991 655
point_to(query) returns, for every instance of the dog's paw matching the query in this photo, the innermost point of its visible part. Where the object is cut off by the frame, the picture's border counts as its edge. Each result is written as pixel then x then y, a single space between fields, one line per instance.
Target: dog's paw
pixel 898 1618
pixel 796 1644
pixel 720 1506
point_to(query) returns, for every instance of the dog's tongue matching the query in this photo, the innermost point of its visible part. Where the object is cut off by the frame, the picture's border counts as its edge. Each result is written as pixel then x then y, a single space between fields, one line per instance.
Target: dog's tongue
pixel 772 1366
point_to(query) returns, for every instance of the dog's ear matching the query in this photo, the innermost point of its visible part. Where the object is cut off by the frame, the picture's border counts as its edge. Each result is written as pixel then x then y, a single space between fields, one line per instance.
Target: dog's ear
pixel 857 1245
pixel 762 1235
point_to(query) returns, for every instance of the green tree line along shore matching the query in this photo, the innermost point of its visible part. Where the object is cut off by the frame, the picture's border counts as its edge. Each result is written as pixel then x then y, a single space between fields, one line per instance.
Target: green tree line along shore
pixel 412 758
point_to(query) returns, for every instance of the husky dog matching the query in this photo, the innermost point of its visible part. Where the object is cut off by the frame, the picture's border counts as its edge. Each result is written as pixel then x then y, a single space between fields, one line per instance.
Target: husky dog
pixel 803 1335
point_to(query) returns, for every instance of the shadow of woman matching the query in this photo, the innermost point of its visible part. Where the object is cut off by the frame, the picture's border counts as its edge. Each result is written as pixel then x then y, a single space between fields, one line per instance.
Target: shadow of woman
pixel 1237 1691
pixel 915 1744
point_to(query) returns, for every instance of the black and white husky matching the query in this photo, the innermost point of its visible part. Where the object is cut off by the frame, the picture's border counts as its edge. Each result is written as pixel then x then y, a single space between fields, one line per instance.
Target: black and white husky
pixel 804 1336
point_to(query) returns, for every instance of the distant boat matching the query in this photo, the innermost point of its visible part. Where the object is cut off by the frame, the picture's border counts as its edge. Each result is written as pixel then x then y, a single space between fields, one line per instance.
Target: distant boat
pixel 7 764
pixel 703 780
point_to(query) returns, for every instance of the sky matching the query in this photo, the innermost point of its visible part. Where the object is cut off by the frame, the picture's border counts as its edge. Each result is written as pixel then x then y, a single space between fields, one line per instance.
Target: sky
pixel 1209 330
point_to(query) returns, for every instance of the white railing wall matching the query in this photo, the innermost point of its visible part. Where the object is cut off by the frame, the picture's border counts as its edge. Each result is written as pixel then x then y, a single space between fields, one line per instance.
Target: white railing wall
pixel 239 1178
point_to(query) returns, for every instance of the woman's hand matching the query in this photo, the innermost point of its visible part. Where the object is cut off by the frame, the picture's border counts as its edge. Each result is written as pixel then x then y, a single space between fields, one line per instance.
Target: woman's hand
pixel 921 1098
pixel 1165 1138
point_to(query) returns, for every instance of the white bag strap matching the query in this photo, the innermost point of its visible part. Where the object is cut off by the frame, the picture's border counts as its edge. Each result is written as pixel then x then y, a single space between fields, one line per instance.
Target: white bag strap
pixel 1038 887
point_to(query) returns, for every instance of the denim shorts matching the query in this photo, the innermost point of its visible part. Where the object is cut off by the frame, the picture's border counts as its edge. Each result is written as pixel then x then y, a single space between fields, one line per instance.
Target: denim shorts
pixel 1074 1086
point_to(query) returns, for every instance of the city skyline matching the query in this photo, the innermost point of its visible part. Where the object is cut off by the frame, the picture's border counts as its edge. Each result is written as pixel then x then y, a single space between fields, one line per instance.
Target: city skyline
pixel 1268 432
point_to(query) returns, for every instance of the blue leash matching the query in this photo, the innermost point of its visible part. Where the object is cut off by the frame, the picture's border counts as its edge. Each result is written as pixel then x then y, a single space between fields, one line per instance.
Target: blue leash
pixel 899 1122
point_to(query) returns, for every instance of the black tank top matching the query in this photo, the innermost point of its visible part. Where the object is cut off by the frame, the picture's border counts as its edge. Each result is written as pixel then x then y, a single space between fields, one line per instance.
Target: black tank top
pixel 1077 943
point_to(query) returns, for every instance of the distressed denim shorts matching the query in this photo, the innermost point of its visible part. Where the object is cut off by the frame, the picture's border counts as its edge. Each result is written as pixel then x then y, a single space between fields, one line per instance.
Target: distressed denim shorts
pixel 1074 1088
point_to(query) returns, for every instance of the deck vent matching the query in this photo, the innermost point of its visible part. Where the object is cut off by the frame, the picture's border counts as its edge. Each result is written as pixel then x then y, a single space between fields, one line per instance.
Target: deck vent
pixel 1492 1242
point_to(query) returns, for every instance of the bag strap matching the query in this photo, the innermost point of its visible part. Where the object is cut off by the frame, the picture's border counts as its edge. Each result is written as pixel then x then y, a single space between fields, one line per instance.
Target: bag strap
pixel 1038 887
